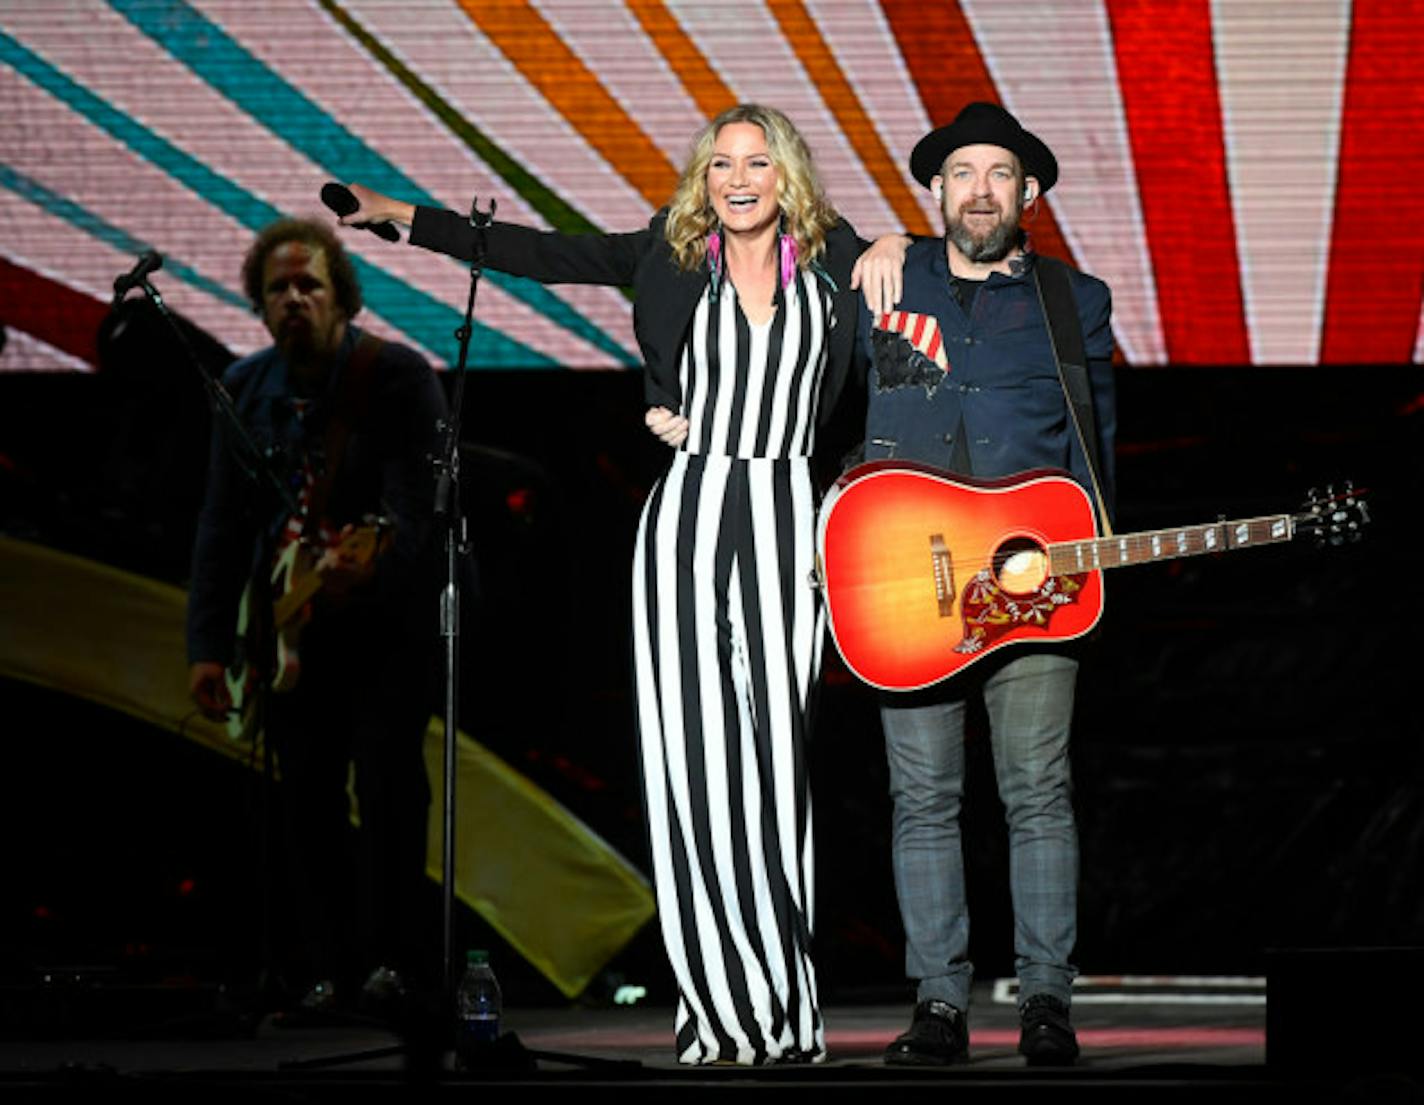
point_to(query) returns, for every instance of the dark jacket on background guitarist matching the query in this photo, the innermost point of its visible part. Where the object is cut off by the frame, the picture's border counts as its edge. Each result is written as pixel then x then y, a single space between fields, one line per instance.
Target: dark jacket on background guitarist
pixel 384 477
pixel 351 423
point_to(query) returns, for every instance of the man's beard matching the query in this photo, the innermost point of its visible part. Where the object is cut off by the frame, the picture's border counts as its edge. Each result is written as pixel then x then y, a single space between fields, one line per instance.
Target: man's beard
pixel 296 345
pixel 302 345
pixel 988 248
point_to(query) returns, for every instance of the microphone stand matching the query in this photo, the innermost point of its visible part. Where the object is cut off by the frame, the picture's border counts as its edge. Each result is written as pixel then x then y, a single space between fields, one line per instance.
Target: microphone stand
pixel 508 1053
pixel 258 467
pixel 447 510
pixel 252 460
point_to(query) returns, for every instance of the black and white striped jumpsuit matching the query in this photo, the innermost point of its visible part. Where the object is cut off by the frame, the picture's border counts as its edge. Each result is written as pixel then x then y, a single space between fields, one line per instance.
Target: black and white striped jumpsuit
pixel 727 649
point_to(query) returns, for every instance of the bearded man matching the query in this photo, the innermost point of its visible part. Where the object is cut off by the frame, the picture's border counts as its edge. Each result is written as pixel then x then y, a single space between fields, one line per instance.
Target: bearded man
pixel 350 424
pixel 964 377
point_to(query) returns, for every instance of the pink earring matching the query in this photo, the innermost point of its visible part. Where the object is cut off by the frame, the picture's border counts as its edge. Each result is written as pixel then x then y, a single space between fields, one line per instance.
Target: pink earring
pixel 714 262
pixel 788 258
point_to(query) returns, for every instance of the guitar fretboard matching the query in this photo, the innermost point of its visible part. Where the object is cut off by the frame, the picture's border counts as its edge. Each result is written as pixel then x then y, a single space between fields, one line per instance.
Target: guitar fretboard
pixel 1168 544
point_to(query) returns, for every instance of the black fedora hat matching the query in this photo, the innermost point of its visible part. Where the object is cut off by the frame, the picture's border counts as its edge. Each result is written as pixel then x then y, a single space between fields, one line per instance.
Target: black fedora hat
pixel 991 125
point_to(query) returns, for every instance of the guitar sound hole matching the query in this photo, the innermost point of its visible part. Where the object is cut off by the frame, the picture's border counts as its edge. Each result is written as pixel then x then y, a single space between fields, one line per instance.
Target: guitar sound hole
pixel 1020 566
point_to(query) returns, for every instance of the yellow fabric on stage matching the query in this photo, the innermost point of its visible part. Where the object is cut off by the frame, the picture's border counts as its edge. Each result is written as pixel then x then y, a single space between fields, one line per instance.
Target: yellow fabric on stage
pixel 560 895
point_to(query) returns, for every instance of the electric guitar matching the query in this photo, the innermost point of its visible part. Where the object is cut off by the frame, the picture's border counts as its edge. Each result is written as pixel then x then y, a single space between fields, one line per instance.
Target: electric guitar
pixel 925 572
pixel 296 580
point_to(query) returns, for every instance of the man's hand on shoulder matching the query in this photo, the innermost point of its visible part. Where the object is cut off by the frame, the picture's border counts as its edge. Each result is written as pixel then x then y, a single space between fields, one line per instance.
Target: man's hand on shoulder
pixel 879 272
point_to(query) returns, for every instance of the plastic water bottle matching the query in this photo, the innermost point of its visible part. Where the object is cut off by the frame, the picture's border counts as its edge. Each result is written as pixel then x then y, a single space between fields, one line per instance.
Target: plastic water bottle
pixel 478 1004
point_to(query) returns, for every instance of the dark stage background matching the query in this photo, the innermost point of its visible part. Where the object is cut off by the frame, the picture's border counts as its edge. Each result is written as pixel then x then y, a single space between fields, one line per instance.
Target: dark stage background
pixel 1247 752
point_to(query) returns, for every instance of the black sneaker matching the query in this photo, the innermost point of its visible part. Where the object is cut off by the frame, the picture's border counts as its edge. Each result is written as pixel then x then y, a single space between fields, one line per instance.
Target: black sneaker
pixel 1046 1036
pixel 937 1037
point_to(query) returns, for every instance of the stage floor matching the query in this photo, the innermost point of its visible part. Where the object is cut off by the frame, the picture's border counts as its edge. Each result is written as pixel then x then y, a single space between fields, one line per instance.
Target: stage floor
pixel 1152 1039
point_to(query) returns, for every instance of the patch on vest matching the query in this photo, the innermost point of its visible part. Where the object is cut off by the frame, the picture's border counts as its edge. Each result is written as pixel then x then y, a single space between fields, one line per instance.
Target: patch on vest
pixel 909 351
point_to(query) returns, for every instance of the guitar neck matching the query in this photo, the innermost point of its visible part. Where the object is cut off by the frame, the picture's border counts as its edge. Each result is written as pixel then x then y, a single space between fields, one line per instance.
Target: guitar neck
pixel 1068 557
pixel 301 592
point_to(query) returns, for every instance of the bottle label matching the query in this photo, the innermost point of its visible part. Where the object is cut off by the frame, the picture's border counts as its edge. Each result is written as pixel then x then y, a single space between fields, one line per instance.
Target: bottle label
pixel 476 1030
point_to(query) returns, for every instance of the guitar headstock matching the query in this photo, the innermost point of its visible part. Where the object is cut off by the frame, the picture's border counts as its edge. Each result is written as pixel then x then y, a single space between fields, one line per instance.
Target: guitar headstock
pixel 1334 516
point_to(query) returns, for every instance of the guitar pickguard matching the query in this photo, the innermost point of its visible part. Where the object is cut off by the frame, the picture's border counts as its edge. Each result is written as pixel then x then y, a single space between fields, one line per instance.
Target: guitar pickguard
pixel 990 612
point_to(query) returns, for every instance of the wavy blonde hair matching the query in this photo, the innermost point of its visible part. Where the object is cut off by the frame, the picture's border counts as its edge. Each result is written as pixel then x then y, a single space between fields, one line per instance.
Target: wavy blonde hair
pixel 807 212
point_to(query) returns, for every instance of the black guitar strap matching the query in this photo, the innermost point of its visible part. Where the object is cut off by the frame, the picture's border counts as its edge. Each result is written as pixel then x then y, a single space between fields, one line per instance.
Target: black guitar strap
pixel 351 404
pixel 1065 334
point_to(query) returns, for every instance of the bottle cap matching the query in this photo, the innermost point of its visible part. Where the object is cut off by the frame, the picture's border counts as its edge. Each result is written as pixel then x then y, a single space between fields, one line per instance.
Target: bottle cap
pixel 477 955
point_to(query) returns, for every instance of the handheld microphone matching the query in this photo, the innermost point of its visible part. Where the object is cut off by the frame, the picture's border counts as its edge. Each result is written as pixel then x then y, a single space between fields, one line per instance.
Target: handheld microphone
pixel 338 197
pixel 149 261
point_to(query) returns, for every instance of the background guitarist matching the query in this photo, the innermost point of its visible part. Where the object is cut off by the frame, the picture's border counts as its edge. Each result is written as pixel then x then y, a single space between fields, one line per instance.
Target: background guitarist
pixel 964 377
pixel 353 421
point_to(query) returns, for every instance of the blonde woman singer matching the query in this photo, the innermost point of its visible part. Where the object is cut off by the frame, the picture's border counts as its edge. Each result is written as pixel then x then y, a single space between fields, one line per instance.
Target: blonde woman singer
pixel 745 313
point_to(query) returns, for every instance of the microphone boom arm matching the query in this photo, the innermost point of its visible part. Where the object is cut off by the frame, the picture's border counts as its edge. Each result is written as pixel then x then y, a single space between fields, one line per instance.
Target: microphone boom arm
pixel 249 456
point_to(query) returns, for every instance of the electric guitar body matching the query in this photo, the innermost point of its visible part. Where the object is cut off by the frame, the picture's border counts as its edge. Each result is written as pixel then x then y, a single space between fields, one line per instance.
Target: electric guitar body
pixel 296 581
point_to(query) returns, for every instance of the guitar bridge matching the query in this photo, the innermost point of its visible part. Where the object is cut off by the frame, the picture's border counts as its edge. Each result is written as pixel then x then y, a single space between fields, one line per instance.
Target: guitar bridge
pixel 943 574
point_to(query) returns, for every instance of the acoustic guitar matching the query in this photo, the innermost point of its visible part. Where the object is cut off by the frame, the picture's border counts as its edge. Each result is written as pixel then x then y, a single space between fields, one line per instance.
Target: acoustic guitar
pixel 925 572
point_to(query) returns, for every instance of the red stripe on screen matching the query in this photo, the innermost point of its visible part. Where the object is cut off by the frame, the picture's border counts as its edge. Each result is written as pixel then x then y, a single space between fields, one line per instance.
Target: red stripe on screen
pixel 1376 275
pixel 54 313
pixel 1167 76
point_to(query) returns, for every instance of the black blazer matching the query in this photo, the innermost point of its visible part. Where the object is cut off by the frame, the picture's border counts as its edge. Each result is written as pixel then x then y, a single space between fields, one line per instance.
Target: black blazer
pixel 666 296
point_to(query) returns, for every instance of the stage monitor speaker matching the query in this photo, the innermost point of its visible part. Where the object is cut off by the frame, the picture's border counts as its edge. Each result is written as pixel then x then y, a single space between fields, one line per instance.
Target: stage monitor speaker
pixel 1344 1009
